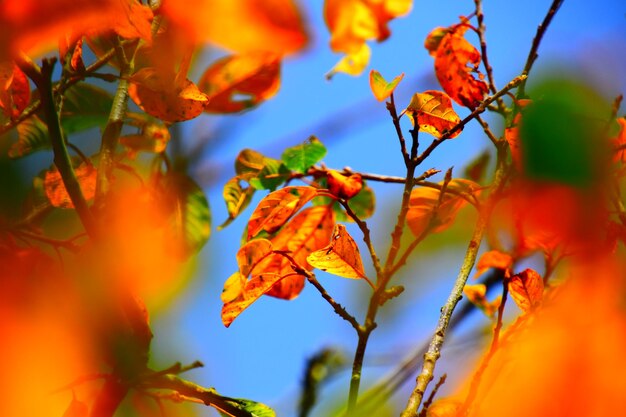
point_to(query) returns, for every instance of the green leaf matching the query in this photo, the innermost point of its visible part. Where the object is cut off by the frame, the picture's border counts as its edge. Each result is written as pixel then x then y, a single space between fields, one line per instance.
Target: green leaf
pixel 191 216
pixel 237 198
pixel 238 407
pixel 271 176
pixel 85 106
pixel 249 160
pixel 32 137
pixel 301 157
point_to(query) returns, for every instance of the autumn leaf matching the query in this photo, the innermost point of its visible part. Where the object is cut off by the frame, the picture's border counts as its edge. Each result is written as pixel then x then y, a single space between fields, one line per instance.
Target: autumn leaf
pixel 445 407
pixel 341 257
pixel 301 157
pixel 511 134
pixel 456 60
pixel 342 186
pixel 71 52
pixel 250 254
pixel 380 87
pixel 619 140
pixel 237 198
pixel 152 138
pixel 526 289
pixel 240 82
pixel 55 189
pixel 277 207
pixel 433 111
pixel 493 259
pixel 424 200
pixel 14 90
pixel 32 136
pixel 274 26
pixel 433 39
pixel 353 63
pixel 159 95
pixel 477 295
pixel 253 289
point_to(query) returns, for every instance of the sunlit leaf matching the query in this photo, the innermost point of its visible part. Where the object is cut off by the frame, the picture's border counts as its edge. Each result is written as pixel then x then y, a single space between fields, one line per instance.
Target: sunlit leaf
pixel 456 61
pixel 237 198
pixel 353 63
pixel 71 49
pixel 153 138
pixel 277 207
pixel 243 26
pixel 351 23
pixel 380 87
pixel 341 257
pixel 240 82
pixel 433 40
pixel 273 174
pixel 14 90
pixel 190 216
pixel 55 189
pixel 32 136
pixel 249 160
pixel 526 289
pixel 476 294
pixel 85 106
pixel 301 157
pixel 161 96
pixel 342 186
pixel 238 407
pixel 362 204
pixel 493 259
pixel 421 215
pixel 250 254
pixel 253 289
pixel 307 232
pixel 233 287
pixel 445 407
pixel 433 111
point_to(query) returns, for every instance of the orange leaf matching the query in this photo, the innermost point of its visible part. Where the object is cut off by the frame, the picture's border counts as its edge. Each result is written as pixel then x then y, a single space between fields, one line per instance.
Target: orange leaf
pixel 433 111
pixel 493 259
pixel 307 232
pixel 433 40
pixel 55 189
pixel 445 407
pixel 253 289
pixel 455 61
pixel 511 134
pixel 526 289
pixel 242 26
pixel 620 140
pixel 160 96
pixel 277 207
pixel 153 138
pixel 233 287
pixel 424 200
pixel 476 294
pixel 14 90
pixel 240 82
pixel 344 187
pixel 341 257
pixel 380 87
pixel 252 253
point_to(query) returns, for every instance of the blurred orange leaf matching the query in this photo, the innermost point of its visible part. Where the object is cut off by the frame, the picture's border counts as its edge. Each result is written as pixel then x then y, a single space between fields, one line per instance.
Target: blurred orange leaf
pixel 353 63
pixel 476 294
pixel 153 138
pixel 55 189
pixel 445 407
pixel 274 26
pixel 526 289
pixel 162 96
pixel 14 90
pixel 493 259
pixel 380 87
pixel 239 82
pixel 341 257
pixel 76 408
pixel 455 62
pixel 344 187
pixel 307 232
pixel 424 200
pixel 619 140
pixel 511 134
pixel 433 111
pixel 277 207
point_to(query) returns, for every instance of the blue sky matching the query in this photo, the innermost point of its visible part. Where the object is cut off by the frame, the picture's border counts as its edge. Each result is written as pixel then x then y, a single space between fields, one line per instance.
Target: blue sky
pixel 261 356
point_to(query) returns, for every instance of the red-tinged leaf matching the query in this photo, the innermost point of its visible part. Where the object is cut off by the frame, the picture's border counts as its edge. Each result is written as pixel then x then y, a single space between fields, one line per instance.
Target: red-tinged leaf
pixel 277 207
pixel 511 134
pixel 253 289
pixel 493 259
pixel 161 96
pixel 341 257
pixel 433 111
pixel 14 90
pixel 433 40
pixel 423 201
pixel 619 141
pixel 242 26
pixel 71 52
pixel 344 187
pixel 456 61
pixel 380 87
pixel 308 231
pixel 55 189
pixel 134 20
pixel 250 254
pixel 240 82
pixel 526 289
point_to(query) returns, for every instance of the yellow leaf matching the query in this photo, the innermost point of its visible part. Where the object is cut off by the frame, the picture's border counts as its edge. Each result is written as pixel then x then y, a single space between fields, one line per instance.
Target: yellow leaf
pixel 239 82
pixel 352 64
pixel 424 200
pixel 526 289
pixel 341 257
pixel 233 287
pixel 433 111
pixel 277 207
pixel 380 87
pixel 253 289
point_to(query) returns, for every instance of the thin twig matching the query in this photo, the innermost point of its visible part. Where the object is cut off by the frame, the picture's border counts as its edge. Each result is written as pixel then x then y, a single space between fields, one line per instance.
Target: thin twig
pixel 487 130
pixel 431 397
pixel 366 235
